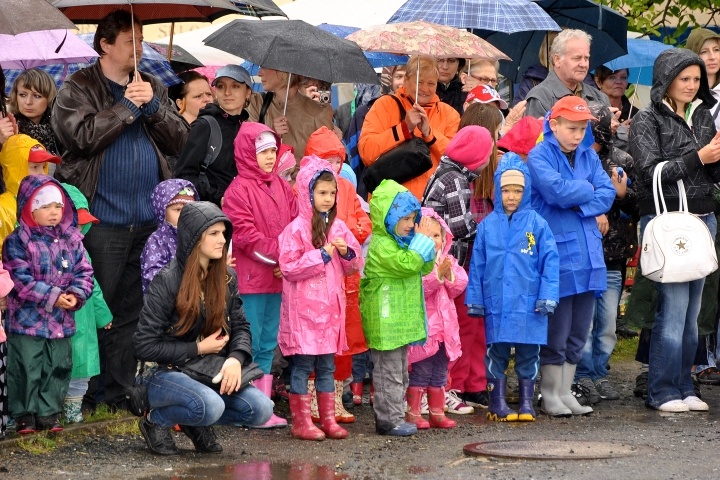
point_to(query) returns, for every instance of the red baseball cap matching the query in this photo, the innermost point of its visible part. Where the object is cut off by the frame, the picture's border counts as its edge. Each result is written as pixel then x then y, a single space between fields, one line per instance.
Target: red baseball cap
pixel 572 108
pixel 85 217
pixel 38 154
pixel 486 94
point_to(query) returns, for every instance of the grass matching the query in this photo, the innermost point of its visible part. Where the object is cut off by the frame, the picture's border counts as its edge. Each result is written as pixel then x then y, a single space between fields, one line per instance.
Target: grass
pixel 40 443
pixel 103 413
pixel 625 349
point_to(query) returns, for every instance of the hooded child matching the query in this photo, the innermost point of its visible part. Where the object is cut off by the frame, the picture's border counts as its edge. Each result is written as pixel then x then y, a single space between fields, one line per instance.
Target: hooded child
pixel 168 199
pixel 570 189
pixel 317 252
pixel 391 298
pixel 6 284
pixel 53 278
pixel 324 144
pixel 94 315
pixel 260 205
pixel 430 361
pixel 514 285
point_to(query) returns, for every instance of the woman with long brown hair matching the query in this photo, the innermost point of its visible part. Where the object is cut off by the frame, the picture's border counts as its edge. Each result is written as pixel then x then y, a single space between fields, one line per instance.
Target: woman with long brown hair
pixel 192 308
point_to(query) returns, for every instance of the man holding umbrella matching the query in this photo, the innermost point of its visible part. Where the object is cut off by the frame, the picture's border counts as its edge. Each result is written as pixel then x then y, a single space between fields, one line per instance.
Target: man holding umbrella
pixel 117 127
pixel 570 57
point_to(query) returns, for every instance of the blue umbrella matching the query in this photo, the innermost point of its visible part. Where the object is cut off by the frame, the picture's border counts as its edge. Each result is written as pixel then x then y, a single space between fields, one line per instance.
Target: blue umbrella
pixel 606 26
pixel 639 60
pixel 508 16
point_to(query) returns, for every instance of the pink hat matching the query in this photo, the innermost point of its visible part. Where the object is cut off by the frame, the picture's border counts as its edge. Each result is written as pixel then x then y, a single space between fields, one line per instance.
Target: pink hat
pixel 285 159
pixel 471 147
pixel 486 94
pixel 522 137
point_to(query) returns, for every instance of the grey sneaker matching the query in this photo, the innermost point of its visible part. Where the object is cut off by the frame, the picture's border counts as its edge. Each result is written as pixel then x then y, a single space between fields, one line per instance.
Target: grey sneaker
pixel 605 390
pixel 587 387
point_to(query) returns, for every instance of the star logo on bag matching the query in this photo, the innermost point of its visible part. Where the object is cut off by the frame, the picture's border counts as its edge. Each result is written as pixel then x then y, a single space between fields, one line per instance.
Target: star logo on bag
pixel 681 245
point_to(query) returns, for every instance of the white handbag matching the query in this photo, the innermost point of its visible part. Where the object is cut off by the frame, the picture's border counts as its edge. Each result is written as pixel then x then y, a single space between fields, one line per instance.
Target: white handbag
pixel 677 246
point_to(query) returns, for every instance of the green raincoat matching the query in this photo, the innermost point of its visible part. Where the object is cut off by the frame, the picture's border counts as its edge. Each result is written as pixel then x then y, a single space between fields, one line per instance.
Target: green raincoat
pixel 391 293
pixel 93 315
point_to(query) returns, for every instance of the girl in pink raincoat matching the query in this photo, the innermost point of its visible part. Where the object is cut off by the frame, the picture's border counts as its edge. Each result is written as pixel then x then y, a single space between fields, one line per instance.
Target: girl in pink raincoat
pixel 317 251
pixel 430 360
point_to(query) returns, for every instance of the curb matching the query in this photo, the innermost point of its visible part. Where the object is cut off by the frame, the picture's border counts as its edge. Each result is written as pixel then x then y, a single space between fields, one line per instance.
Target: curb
pixel 92 428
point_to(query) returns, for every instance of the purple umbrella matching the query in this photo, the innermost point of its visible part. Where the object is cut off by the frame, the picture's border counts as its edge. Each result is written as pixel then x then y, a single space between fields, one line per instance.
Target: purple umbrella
pixel 46 47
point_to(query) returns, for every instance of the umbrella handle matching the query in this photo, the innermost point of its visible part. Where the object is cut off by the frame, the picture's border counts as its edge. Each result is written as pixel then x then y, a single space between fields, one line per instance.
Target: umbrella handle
pixel 132 21
pixel 170 43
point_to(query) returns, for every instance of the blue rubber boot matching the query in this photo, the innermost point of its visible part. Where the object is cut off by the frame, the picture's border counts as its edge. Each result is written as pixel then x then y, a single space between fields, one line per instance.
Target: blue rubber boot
pixel 526 412
pixel 499 410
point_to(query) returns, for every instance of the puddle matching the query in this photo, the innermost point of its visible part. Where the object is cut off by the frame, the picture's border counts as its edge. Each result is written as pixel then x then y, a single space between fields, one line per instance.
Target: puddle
pixel 255 471
pixel 554 449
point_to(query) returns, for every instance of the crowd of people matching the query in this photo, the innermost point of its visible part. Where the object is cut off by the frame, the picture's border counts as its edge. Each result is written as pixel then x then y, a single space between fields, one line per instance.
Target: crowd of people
pixel 237 244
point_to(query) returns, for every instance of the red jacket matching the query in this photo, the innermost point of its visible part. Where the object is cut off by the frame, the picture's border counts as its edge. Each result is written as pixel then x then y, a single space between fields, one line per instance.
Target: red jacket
pixel 260 205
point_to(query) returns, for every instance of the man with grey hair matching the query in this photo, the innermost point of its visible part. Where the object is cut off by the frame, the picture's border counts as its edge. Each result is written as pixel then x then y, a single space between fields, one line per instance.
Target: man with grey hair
pixel 570 55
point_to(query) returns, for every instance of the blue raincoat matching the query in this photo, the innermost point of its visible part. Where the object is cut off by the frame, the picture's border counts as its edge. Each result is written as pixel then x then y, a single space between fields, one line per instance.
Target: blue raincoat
pixel 569 199
pixel 513 264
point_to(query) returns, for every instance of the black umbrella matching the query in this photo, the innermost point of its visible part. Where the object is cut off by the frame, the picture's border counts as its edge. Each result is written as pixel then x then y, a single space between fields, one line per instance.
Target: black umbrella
pixel 20 16
pixel 180 59
pixel 296 47
pixel 607 27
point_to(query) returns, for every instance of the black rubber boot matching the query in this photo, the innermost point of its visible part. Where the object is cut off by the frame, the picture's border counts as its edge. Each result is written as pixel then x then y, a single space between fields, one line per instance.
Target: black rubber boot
pixel 203 438
pixel 159 439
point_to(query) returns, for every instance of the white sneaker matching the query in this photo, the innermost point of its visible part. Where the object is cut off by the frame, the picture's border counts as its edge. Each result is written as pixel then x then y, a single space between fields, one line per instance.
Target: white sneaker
pixel 675 406
pixel 455 405
pixel 695 404
pixel 424 409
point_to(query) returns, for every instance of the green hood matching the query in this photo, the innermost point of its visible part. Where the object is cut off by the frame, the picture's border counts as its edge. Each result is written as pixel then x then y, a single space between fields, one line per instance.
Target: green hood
pixel 80 202
pixel 389 203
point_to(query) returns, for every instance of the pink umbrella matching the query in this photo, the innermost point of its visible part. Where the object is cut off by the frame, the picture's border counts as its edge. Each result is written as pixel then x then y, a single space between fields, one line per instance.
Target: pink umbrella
pixel 46 47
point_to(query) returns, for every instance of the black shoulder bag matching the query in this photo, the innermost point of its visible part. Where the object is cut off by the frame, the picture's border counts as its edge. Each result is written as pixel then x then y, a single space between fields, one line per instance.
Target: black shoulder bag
pixel 408 160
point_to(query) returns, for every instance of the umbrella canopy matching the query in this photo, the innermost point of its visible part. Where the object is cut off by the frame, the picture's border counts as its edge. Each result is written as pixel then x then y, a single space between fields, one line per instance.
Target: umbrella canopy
pixel 32 49
pixel 358 13
pixel 20 16
pixel 639 60
pixel 148 11
pixel 507 16
pixel 376 59
pixel 296 47
pixel 423 38
pixel 192 42
pixel 180 59
pixel 606 26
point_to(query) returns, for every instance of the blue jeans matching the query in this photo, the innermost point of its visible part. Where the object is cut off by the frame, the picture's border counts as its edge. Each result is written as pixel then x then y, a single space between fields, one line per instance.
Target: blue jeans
pixel 361 364
pixel 527 360
pixel 263 314
pixel 176 398
pixel 675 334
pixel 602 338
pixel 301 366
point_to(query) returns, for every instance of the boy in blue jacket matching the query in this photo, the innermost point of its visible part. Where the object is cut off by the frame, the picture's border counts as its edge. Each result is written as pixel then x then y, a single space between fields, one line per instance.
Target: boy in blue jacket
pixel 513 282
pixel 570 189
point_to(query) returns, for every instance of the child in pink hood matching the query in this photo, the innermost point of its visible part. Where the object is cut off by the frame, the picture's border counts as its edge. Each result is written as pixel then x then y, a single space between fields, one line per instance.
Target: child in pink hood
pixel 317 251
pixel 6 284
pixel 260 205
pixel 430 361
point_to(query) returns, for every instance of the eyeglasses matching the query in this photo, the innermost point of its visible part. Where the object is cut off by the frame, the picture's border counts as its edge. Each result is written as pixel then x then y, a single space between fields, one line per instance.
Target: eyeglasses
pixel 486 80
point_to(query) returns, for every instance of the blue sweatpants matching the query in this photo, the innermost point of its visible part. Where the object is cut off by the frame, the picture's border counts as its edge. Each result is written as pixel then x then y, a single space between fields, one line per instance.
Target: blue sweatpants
pixel 263 313
pixel 568 329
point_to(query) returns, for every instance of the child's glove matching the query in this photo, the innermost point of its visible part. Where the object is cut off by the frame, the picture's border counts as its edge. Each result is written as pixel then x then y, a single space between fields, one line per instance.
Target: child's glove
pixel 545 307
pixel 476 310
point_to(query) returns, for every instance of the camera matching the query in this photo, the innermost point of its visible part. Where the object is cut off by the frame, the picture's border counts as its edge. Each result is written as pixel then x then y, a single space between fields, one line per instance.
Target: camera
pixel 324 96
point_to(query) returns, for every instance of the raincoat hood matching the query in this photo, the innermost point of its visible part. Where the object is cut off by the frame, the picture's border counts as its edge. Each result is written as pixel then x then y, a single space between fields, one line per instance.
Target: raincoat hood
pixel 390 202
pixel 668 65
pixel 310 169
pixel 195 218
pixel 325 144
pixel 512 161
pixel 166 191
pixel 429 212
pixel 28 186
pixel 14 160
pixel 245 156
pixel 80 202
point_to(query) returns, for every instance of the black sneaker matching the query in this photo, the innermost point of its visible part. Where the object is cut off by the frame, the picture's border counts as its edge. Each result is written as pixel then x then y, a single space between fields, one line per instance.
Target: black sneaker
pixel 159 439
pixel 696 386
pixel 203 438
pixel 641 385
pixel 589 390
pixel 476 399
pixel 51 423
pixel 577 392
pixel 25 424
